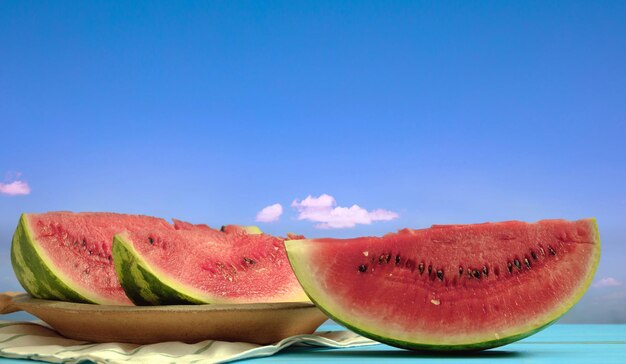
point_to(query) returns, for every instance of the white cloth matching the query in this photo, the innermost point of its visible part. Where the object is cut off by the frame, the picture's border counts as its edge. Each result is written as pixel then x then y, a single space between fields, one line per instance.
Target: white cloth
pixel 33 340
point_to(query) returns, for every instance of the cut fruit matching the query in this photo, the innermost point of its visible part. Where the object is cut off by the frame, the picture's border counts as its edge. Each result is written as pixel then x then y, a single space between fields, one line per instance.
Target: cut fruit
pixel 67 256
pixel 451 287
pixel 197 264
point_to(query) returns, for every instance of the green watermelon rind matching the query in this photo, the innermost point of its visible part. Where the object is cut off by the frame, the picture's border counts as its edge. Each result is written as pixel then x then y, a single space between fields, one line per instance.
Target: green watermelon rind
pixel 302 274
pixel 36 273
pixel 141 283
pixel 427 347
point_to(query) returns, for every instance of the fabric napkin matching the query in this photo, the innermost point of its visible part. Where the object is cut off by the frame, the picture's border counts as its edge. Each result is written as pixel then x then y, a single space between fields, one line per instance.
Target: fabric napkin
pixel 36 341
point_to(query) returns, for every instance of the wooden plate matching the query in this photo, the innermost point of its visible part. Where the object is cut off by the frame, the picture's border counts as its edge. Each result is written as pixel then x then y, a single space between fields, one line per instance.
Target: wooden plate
pixel 260 323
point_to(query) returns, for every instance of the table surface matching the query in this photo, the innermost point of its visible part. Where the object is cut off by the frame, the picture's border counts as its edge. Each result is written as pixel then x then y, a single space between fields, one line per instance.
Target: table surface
pixel 556 344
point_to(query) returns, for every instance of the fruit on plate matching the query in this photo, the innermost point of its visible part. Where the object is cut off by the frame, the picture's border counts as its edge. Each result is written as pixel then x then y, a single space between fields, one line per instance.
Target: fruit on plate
pixel 451 287
pixel 197 264
pixel 67 256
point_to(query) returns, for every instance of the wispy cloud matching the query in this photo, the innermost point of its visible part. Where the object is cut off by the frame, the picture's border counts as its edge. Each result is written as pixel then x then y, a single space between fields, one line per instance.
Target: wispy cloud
pixel 607 282
pixel 13 185
pixel 270 213
pixel 328 215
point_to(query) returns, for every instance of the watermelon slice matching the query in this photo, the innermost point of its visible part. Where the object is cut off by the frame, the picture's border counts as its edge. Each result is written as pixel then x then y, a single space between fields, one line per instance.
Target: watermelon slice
pixel 67 256
pixel 456 287
pixel 198 264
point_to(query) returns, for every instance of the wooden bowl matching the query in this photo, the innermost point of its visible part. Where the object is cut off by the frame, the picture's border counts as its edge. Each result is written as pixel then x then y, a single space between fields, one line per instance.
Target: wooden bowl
pixel 259 323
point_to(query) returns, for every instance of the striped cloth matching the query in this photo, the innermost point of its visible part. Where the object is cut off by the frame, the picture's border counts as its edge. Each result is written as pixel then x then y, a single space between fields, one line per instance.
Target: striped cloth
pixel 36 341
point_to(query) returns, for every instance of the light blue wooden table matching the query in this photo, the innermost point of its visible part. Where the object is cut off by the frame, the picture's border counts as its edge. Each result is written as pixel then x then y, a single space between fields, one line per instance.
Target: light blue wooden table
pixel 557 344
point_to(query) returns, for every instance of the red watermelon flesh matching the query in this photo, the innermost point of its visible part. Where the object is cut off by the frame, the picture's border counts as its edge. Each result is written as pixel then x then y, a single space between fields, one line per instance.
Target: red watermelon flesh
pixel 451 287
pixel 232 265
pixel 183 225
pixel 75 249
pixel 68 256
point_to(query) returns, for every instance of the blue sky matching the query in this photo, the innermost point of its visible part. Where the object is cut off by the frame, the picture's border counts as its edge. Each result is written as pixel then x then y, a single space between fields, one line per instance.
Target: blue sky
pixel 453 112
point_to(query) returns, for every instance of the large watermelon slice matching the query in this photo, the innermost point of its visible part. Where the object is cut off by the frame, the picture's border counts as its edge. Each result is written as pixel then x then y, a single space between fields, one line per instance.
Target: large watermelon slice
pixel 456 287
pixel 67 256
pixel 198 264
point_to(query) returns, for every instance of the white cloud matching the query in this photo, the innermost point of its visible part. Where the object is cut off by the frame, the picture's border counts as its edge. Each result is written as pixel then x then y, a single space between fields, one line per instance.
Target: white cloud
pixel 14 186
pixel 324 210
pixel 607 282
pixel 270 213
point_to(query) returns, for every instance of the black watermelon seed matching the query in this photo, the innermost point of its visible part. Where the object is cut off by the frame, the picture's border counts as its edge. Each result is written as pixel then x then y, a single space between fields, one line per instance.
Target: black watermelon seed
pixel 397 260
pixel 517 264
pixel 534 255
pixel 430 269
pixel 249 261
pixel 476 273
pixel 421 268
pixel 485 270
pixel 384 258
pixel 84 242
pixel 509 267
pixel 527 263
pixel 440 275
pixel 551 250
pixel 460 271
pixel 362 268
pixel 151 241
